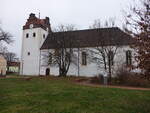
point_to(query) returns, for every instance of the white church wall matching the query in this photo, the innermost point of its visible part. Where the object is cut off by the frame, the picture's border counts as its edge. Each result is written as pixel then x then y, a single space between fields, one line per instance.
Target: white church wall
pixel 120 58
pixel 91 69
pixel 84 70
pixel 54 70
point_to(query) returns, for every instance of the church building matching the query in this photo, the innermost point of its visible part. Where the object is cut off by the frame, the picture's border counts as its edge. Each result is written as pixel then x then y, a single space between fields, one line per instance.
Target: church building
pixel 37 41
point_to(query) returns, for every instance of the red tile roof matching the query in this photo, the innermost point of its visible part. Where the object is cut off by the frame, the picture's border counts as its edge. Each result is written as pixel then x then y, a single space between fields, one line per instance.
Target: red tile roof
pixel 17 64
pixel 37 22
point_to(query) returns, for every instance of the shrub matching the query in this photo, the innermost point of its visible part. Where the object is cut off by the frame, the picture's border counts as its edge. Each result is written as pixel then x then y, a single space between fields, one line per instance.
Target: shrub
pixel 97 79
pixel 122 75
pixel 136 79
pixel 125 77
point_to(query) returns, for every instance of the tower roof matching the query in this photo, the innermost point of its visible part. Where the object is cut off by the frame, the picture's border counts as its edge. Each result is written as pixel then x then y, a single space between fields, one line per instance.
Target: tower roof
pixel 37 22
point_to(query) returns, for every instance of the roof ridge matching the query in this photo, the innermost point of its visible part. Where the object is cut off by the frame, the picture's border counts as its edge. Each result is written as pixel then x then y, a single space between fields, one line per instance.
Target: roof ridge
pixel 88 29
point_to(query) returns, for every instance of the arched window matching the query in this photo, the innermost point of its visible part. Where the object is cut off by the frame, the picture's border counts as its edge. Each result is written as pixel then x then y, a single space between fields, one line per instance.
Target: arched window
pixel 28 53
pixel 44 36
pixel 34 34
pixel 128 57
pixel 27 35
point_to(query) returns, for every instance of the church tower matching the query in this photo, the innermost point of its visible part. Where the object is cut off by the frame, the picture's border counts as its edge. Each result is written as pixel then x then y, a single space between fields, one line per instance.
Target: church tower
pixel 35 32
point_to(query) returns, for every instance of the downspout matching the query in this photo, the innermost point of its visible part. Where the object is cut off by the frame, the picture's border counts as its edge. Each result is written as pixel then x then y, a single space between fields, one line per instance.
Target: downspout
pixel 22 67
pixel 78 63
pixel 40 62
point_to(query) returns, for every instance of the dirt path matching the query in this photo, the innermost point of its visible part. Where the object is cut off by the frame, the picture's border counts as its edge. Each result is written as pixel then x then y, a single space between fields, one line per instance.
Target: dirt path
pixel 109 86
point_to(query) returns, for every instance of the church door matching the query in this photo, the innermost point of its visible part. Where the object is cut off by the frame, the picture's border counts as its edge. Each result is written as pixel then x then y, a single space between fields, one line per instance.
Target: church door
pixel 47 71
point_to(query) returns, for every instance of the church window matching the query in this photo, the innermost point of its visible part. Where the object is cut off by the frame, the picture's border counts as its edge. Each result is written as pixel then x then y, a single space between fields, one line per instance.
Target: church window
pixel 34 34
pixel 44 36
pixel 28 53
pixel 128 57
pixel 27 35
pixel 84 58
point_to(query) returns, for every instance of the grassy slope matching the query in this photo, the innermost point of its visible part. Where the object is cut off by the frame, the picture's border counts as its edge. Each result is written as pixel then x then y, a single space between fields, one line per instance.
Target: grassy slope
pixel 41 95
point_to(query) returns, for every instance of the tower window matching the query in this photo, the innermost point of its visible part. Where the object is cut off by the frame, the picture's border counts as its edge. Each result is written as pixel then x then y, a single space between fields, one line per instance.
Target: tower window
pixel 128 57
pixel 28 53
pixel 43 35
pixel 27 35
pixel 84 58
pixel 34 34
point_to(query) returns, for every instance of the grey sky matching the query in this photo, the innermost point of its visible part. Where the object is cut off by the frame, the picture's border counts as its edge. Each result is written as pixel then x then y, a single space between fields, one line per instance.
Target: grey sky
pixel 82 13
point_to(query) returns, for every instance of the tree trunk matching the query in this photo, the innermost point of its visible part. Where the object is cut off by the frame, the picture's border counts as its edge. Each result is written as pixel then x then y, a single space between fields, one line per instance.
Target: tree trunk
pixel 109 77
pixel 62 72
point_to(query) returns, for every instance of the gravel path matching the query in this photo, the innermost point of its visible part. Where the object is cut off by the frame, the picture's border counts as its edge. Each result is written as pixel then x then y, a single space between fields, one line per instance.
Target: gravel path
pixel 111 86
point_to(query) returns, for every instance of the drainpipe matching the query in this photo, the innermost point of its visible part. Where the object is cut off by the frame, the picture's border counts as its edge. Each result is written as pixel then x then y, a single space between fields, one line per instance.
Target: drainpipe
pixel 78 62
pixel 22 68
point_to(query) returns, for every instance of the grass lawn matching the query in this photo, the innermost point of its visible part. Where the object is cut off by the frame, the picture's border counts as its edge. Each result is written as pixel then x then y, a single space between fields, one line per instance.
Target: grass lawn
pixel 51 95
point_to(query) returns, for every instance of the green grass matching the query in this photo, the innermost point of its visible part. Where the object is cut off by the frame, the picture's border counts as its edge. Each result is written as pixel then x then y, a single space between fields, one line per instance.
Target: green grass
pixel 51 95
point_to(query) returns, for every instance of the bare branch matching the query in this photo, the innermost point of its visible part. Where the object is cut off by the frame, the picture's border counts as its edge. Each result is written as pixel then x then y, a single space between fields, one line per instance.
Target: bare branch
pixel 5 36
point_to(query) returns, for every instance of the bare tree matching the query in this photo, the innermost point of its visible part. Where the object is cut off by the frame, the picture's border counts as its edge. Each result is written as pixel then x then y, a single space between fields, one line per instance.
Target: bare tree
pixel 97 24
pixel 63 55
pixel 104 53
pixel 10 56
pixel 138 25
pixel 5 36
pixel 3 49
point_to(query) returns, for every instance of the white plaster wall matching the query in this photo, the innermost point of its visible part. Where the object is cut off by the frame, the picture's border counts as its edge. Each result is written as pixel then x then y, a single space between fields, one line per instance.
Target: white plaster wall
pixel 88 70
pixel 120 58
pixel 30 63
pixel 54 70
pixel 91 69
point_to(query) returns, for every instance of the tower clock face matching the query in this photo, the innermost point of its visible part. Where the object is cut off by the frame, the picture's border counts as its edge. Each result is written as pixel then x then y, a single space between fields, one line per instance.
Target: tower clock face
pixel 31 26
pixel 47 29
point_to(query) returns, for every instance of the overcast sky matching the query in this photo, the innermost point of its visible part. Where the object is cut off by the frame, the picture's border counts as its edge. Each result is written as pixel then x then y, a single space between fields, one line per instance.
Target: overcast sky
pixel 82 13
